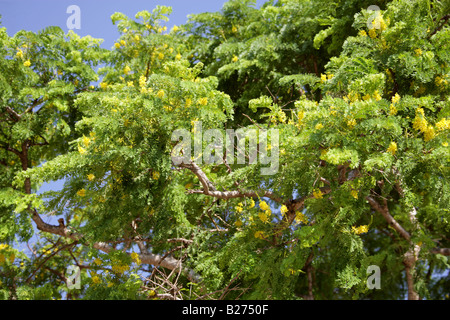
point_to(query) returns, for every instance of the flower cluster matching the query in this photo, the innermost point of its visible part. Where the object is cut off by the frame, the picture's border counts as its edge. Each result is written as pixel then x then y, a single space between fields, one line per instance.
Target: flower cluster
pixel 420 123
pixel 360 229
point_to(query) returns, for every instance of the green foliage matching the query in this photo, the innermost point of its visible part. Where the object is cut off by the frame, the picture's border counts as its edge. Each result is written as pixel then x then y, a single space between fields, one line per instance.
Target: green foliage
pixel 363 120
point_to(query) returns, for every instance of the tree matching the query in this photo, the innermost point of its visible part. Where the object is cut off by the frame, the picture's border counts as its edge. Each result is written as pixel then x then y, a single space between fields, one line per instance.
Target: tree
pixel 358 176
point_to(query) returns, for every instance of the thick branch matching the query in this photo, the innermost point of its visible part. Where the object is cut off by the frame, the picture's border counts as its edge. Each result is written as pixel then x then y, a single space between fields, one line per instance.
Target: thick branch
pixel 210 190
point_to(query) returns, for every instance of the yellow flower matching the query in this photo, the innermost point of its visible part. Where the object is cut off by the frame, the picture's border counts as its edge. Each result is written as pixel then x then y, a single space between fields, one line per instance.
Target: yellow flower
pixel 27 63
pixel 160 56
pixel 443 124
pixel 264 206
pixel 142 81
pixel 259 235
pixel 252 203
pixel 160 94
pixel 396 98
pixel 135 257
pixel 178 56
pixel 126 70
pixel 360 229
pixel 97 261
pixel 392 110
pixel 317 194
pixel 130 84
pixel 117 45
pixel 372 33
pixel 323 77
pixel 90 177
pixel 351 123
pixel 203 101
pixel 283 209
pixel 429 133
pixel 319 126
pixel 175 28
pixel 239 209
pixel 238 223
pixel 235 59
pixel 363 33
pixel 103 85
pixel 96 280
pixel 82 150
pixel 234 29
pixel 392 148
pixel 300 217
pixel 151 293
pixel 81 193
pixel 122 42
pixel 376 95
pixel 354 193
pixel 86 141
pixel 137 38
pixel 445 144
pixel 418 52
pixel 155 175
pixel 19 54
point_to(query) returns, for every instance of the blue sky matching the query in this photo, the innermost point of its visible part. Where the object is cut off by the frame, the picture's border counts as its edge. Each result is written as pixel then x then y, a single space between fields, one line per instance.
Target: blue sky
pixel 35 15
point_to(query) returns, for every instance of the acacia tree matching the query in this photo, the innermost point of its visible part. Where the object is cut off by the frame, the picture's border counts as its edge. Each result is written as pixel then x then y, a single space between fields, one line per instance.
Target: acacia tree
pixel 362 113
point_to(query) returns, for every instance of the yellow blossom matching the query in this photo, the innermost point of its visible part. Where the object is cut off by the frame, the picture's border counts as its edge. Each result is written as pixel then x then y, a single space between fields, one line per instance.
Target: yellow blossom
pixel 319 126
pixel 238 223
pixel 122 42
pixel 443 124
pixel 142 81
pixel 27 63
pixel 235 59
pixel 264 206
pixel 97 261
pixel 366 97
pixel 363 33
pixel 445 144
pixel 86 141
pixel 252 203
pixel 372 33
pixel 377 95
pixel 117 45
pixel 429 133
pixel 354 193
pixel 360 229
pixel 351 123
pixel 160 56
pixel 178 56
pixel 160 94
pixel 323 77
pixel 82 150
pixel 155 175
pixel 418 52
pixel 392 148
pixel 130 84
pixel 300 217
pixel 126 70
pixel 392 110
pixel 259 235
pixel 283 209
pixel 175 28
pixel 81 193
pixel 317 194
pixel 103 85
pixel 19 54
pixel 203 101
pixel 96 280
pixel 90 177
pixel 234 29
pixel 396 98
